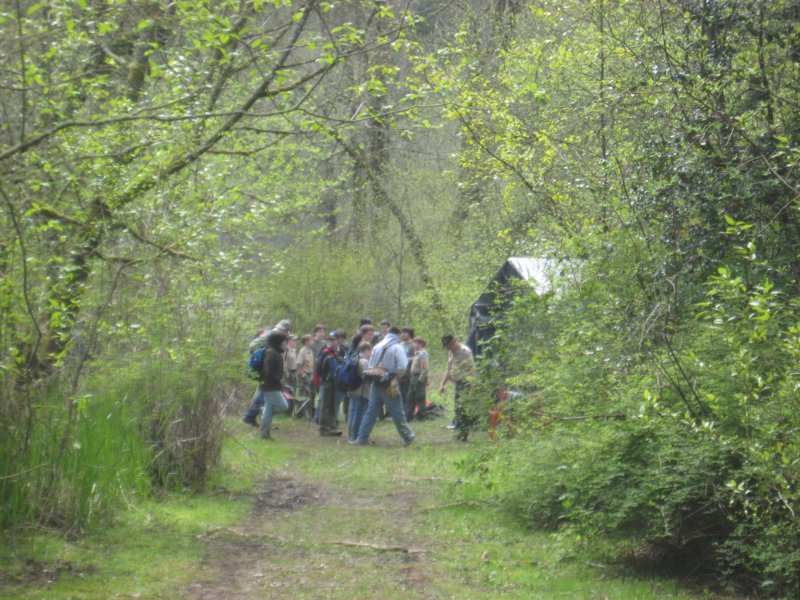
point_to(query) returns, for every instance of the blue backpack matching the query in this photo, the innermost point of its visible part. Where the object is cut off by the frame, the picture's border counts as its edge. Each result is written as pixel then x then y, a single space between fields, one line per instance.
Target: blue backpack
pixel 254 361
pixel 255 355
pixel 347 375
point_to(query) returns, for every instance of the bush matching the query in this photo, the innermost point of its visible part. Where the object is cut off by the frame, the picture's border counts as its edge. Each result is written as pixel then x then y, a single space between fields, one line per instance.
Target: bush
pixel 703 473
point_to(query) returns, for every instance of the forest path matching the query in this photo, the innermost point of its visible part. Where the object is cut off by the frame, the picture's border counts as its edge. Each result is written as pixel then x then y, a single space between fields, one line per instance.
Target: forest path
pixel 338 521
pixel 382 521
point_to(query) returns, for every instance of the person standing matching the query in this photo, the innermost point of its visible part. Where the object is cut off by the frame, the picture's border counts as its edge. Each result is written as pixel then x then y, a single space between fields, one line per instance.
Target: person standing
pixel 385 326
pixel 387 363
pixel 461 371
pixel 325 367
pixel 271 384
pixel 359 336
pixel 341 392
pixel 305 368
pixel 406 337
pixel 257 402
pixel 360 396
pixel 317 344
pixel 290 362
pixel 415 404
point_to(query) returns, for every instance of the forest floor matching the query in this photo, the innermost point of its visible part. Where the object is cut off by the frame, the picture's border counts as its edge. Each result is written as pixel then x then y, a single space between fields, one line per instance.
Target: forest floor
pixel 304 516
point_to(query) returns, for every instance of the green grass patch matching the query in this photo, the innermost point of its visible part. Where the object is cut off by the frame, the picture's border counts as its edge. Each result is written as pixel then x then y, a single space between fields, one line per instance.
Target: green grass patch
pixel 153 549
pixel 317 517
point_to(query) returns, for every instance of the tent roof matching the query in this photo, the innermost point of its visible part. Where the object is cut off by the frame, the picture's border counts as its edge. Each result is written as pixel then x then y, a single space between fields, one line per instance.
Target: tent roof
pixel 537 271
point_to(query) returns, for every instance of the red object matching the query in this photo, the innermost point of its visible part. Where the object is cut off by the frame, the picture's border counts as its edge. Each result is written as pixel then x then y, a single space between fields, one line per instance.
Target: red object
pixel 495 413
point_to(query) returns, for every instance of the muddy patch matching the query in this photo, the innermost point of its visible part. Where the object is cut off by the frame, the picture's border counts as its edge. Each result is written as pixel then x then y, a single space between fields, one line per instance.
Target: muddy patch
pixel 284 493
pixel 236 557
pixel 35 572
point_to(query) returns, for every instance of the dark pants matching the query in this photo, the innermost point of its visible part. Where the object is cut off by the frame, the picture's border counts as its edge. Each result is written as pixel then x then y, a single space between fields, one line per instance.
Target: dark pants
pixel 415 401
pixel 464 419
pixel 327 405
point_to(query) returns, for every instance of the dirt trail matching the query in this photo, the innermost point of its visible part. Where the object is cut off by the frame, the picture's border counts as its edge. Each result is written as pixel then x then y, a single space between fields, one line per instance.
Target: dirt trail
pixel 329 536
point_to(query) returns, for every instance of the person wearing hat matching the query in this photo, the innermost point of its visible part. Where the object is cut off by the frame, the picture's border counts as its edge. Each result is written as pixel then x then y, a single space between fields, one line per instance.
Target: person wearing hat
pixel 326 368
pixel 268 398
pixel 461 371
pixel 261 340
pixel 290 362
pixel 271 384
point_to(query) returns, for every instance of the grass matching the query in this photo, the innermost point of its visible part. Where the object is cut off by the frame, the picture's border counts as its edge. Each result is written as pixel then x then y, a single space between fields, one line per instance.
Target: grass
pixel 310 517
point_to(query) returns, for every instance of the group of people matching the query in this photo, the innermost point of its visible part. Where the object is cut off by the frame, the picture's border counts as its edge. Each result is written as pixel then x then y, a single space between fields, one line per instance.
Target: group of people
pixel 393 368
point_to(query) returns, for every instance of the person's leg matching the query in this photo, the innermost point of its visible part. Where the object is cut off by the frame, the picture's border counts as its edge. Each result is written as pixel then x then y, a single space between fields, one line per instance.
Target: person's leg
pixel 358 405
pixel 327 415
pixel 370 414
pixel 273 402
pixel 395 408
pixel 314 404
pixel 422 398
pixel 256 405
pixel 318 409
pixel 408 399
pixel 405 382
pixel 462 419
pixel 418 400
pixel 340 396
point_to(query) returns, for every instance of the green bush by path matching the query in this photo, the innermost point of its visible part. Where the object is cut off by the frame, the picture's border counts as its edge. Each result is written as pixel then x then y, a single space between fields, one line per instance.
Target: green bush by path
pixel 701 472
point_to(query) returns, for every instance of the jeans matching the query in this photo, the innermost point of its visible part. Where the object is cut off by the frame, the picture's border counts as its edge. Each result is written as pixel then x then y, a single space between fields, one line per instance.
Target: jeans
pixel 358 405
pixel 256 404
pixel 379 396
pixel 273 402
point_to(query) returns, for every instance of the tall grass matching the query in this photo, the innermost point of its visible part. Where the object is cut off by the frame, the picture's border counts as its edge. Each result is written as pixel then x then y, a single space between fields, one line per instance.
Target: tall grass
pixel 65 461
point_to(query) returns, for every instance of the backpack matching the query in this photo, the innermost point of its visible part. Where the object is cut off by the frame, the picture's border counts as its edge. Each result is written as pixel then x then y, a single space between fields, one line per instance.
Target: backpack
pixel 322 371
pixel 347 375
pixel 255 357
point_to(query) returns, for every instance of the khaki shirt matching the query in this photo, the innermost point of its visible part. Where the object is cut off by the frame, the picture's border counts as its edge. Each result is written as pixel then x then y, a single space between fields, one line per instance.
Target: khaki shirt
pixel 290 360
pixel 461 365
pixel 305 359
pixel 419 365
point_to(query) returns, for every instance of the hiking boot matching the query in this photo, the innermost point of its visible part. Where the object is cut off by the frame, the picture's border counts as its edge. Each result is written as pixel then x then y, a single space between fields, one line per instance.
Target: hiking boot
pixel 409 441
pixel 266 436
pixel 250 421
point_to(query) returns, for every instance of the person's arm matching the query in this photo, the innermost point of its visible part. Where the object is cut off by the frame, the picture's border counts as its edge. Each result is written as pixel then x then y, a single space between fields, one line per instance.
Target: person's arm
pixel 446 376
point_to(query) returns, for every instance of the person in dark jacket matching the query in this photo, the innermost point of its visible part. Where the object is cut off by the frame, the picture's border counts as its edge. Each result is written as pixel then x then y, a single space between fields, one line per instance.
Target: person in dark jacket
pixel 325 368
pixel 270 386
